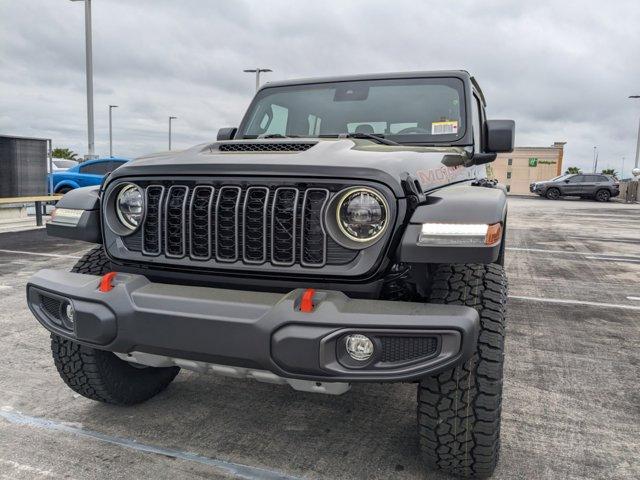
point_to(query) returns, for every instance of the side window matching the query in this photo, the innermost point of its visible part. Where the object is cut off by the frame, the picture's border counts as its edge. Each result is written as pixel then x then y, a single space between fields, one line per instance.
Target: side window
pixel 576 179
pixel 100 168
pixel 602 178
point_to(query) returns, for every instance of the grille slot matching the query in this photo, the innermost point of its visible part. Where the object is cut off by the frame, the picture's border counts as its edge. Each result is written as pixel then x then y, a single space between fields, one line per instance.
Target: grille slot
pixel 313 250
pixel 264 147
pixel 199 222
pixel 283 226
pixel 227 209
pixel 403 349
pixel 175 221
pixel 151 232
pixel 254 215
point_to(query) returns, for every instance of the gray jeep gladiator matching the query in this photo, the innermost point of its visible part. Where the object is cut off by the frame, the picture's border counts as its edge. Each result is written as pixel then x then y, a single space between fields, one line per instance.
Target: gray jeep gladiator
pixel 344 232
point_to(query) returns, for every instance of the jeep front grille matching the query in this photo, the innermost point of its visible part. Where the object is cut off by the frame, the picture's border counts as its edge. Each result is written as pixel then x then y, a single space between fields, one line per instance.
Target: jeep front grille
pixel 281 226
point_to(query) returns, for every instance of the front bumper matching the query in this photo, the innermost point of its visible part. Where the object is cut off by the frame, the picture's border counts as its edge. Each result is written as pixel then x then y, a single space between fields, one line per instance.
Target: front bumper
pixel 255 330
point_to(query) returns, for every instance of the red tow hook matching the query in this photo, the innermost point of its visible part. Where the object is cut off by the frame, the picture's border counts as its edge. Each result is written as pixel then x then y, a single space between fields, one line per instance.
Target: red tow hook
pixel 105 282
pixel 306 302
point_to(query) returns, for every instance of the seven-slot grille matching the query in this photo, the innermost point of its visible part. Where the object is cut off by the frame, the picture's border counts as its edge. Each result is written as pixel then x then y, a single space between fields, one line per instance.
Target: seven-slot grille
pixel 229 223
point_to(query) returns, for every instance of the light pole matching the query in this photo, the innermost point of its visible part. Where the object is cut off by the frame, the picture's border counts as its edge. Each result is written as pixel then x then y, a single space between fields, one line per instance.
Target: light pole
pixel 595 159
pixel 111 107
pixel 89 74
pixel 638 141
pixel 170 118
pixel 257 71
pixel 622 171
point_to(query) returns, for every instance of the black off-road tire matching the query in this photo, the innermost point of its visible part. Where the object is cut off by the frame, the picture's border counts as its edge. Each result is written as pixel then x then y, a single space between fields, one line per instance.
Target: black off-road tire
pixel 94 262
pixel 98 374
pixel 553 194
pixel 602 195
pixel 459 409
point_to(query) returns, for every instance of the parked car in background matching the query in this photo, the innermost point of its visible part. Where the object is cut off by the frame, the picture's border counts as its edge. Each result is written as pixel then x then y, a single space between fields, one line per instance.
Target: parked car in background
pixel 85 174
pixel 62 164
pixel 597 186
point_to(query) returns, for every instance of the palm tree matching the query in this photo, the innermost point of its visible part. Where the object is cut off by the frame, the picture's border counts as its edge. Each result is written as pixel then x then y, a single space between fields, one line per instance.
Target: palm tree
pixel 573 170
pixel 64 153
pixel 610 171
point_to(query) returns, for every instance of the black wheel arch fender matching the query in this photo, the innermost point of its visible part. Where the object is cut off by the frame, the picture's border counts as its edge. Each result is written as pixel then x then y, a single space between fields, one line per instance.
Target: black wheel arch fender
pixel 86 226
pixel 458 204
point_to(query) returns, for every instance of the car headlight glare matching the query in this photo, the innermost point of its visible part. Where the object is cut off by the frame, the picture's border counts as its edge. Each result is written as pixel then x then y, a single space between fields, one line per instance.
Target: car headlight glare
pixel 362 214
pixel 130 206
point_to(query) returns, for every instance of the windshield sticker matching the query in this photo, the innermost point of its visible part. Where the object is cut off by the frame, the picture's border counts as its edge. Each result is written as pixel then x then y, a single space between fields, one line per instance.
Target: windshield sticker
pixel 444 128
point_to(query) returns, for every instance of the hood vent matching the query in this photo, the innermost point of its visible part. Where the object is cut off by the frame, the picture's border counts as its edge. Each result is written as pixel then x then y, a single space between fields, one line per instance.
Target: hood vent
pixel 264 147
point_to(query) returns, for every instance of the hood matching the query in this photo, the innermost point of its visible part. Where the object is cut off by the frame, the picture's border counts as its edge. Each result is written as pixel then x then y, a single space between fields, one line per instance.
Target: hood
pixel 312 157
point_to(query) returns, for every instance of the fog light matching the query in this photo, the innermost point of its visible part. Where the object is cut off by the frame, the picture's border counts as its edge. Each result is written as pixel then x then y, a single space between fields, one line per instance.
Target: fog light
pixel 69 313
pixel 359 347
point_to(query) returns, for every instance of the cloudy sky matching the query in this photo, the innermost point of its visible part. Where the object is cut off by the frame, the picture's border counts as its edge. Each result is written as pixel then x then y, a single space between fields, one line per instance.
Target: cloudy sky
pixel 562 70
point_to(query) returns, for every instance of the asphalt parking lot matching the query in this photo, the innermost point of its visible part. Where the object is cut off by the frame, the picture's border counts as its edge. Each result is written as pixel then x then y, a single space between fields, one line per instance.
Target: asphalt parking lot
pixel 571 407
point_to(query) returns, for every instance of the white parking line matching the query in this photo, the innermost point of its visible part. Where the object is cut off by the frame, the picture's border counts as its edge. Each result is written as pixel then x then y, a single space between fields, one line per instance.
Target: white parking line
pixel 604 256
pixel 575 302
pixel 234 469
pixel 605 215
pixel 614 259
pixel 38 254
pixel 634 298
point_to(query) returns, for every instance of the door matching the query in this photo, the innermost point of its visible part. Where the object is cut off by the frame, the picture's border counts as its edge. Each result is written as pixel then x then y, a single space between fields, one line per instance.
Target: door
pixel 572 185
pixel 591 184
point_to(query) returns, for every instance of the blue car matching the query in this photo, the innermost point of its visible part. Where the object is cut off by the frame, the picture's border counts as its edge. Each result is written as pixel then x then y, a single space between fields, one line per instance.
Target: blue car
pixel 85 174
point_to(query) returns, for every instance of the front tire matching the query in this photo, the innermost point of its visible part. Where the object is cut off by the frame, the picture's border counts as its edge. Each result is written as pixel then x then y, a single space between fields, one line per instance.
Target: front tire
pixel 553 194
pixel 98 374
pixel 459 409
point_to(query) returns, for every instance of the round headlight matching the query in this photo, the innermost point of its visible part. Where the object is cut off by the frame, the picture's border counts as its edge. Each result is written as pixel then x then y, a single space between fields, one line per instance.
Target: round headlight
pixel 130 206
pixel 362 214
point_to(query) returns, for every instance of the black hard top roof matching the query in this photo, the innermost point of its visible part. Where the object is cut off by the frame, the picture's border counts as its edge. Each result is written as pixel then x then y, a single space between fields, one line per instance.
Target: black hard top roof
pixel 371 76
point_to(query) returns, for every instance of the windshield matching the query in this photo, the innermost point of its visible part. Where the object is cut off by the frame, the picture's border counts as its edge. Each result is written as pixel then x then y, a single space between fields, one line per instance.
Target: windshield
pixel 415 111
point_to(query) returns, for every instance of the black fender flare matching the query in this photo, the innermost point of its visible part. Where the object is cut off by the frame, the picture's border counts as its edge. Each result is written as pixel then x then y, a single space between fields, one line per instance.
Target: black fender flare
pixel 86 226
pixel 464 204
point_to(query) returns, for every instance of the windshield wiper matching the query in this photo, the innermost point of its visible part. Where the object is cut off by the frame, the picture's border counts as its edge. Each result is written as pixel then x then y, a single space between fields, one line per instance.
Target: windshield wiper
pixel 378 137
pixel 277 135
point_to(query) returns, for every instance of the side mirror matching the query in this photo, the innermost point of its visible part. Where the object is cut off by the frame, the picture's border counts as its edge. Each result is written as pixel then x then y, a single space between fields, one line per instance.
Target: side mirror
pixel 227 133
pixel 500 135
pixel 566 181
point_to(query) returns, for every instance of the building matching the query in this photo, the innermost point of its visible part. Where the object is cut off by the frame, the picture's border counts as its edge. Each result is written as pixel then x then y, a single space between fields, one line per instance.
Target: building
pixel 526 165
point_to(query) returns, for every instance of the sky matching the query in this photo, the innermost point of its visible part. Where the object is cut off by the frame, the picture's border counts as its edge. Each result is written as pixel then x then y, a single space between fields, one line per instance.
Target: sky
pixel 562 70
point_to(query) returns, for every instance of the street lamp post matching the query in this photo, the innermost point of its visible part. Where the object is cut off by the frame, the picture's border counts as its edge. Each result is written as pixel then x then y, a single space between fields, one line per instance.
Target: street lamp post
pixel 595 159
pixel 257 71
pixel 638 141
pixel 89 75
pixel 111 107
pixel 170 118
